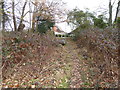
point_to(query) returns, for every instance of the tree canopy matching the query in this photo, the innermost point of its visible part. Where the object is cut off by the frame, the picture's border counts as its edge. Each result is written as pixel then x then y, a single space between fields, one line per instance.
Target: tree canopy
pixel 84 19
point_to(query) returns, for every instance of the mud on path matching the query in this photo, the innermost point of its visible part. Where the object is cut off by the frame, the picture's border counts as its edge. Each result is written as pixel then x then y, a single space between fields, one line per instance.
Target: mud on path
pixel 65 68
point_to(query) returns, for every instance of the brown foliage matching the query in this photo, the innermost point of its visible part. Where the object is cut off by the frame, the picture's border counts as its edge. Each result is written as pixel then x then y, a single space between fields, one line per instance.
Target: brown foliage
pixel 20 47
pixel 102 53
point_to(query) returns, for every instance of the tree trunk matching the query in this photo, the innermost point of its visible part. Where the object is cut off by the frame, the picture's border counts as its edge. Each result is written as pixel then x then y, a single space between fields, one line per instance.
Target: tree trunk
pixel 117 10
pixel 33 22
pixel 110 14
pixel 34 15
pixel 3 15
pixel 30 13
pixel 0 15
pixel 21 26
pixel 33 19
pixel 14 18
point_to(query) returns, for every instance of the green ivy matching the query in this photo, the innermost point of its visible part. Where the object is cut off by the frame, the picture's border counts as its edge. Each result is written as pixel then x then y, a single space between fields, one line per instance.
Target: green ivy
pixel 44 25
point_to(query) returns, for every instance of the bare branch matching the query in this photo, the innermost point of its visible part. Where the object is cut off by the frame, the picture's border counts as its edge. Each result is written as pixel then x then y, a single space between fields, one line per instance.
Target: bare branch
pixel 26 13
pixel 114 2
pixel 14 5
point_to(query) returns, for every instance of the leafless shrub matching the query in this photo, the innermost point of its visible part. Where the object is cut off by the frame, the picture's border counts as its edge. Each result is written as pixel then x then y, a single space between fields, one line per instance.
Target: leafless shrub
pixel 102 47
pixel 20 47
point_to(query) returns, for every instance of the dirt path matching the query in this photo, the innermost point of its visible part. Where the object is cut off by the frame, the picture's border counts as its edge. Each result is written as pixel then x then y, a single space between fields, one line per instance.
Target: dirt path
pixel 62 66
pixel 69 68
pixel 63 69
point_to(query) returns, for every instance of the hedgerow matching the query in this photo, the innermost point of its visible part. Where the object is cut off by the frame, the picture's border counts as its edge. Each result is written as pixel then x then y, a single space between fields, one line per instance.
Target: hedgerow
pixel 101 53
pixel 20 47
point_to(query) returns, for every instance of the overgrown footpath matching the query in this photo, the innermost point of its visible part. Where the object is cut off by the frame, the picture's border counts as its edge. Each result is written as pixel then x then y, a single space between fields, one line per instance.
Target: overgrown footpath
pixel 32 60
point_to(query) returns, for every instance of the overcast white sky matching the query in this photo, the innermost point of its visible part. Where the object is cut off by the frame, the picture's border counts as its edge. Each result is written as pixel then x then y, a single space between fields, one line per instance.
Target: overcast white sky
pixel 92 4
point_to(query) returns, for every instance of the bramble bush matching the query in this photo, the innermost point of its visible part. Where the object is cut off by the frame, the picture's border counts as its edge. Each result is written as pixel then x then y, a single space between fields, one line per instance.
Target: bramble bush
pixel 21 47
pixel 101 53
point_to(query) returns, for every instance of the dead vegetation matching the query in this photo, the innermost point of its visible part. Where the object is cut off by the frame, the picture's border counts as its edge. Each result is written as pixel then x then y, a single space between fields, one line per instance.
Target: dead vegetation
pixel 100 51
pixel 19 48
pixel 32 60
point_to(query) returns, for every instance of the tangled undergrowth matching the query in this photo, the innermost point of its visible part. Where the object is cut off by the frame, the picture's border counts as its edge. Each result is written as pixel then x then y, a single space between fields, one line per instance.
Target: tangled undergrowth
pixel 101 54
pixel 35 60
pixel 21 47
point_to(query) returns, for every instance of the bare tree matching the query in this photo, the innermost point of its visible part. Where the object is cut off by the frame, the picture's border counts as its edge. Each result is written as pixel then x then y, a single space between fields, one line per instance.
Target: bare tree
pixel 44 9
pixel 118 10
pixel 14 18
pixel 18 14
pixel 3 14
pixel 0 15
pixel 30 13
pixel 48 10
pixel 110 11
pixel 34 14
pixel 21 25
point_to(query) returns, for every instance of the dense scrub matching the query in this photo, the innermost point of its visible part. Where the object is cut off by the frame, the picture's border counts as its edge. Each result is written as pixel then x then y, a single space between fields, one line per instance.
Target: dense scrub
pixel 101 54
pixel 20 47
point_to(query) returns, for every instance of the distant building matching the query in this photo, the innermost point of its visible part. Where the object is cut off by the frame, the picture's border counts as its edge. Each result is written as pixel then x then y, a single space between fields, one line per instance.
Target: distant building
pixel 58 31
